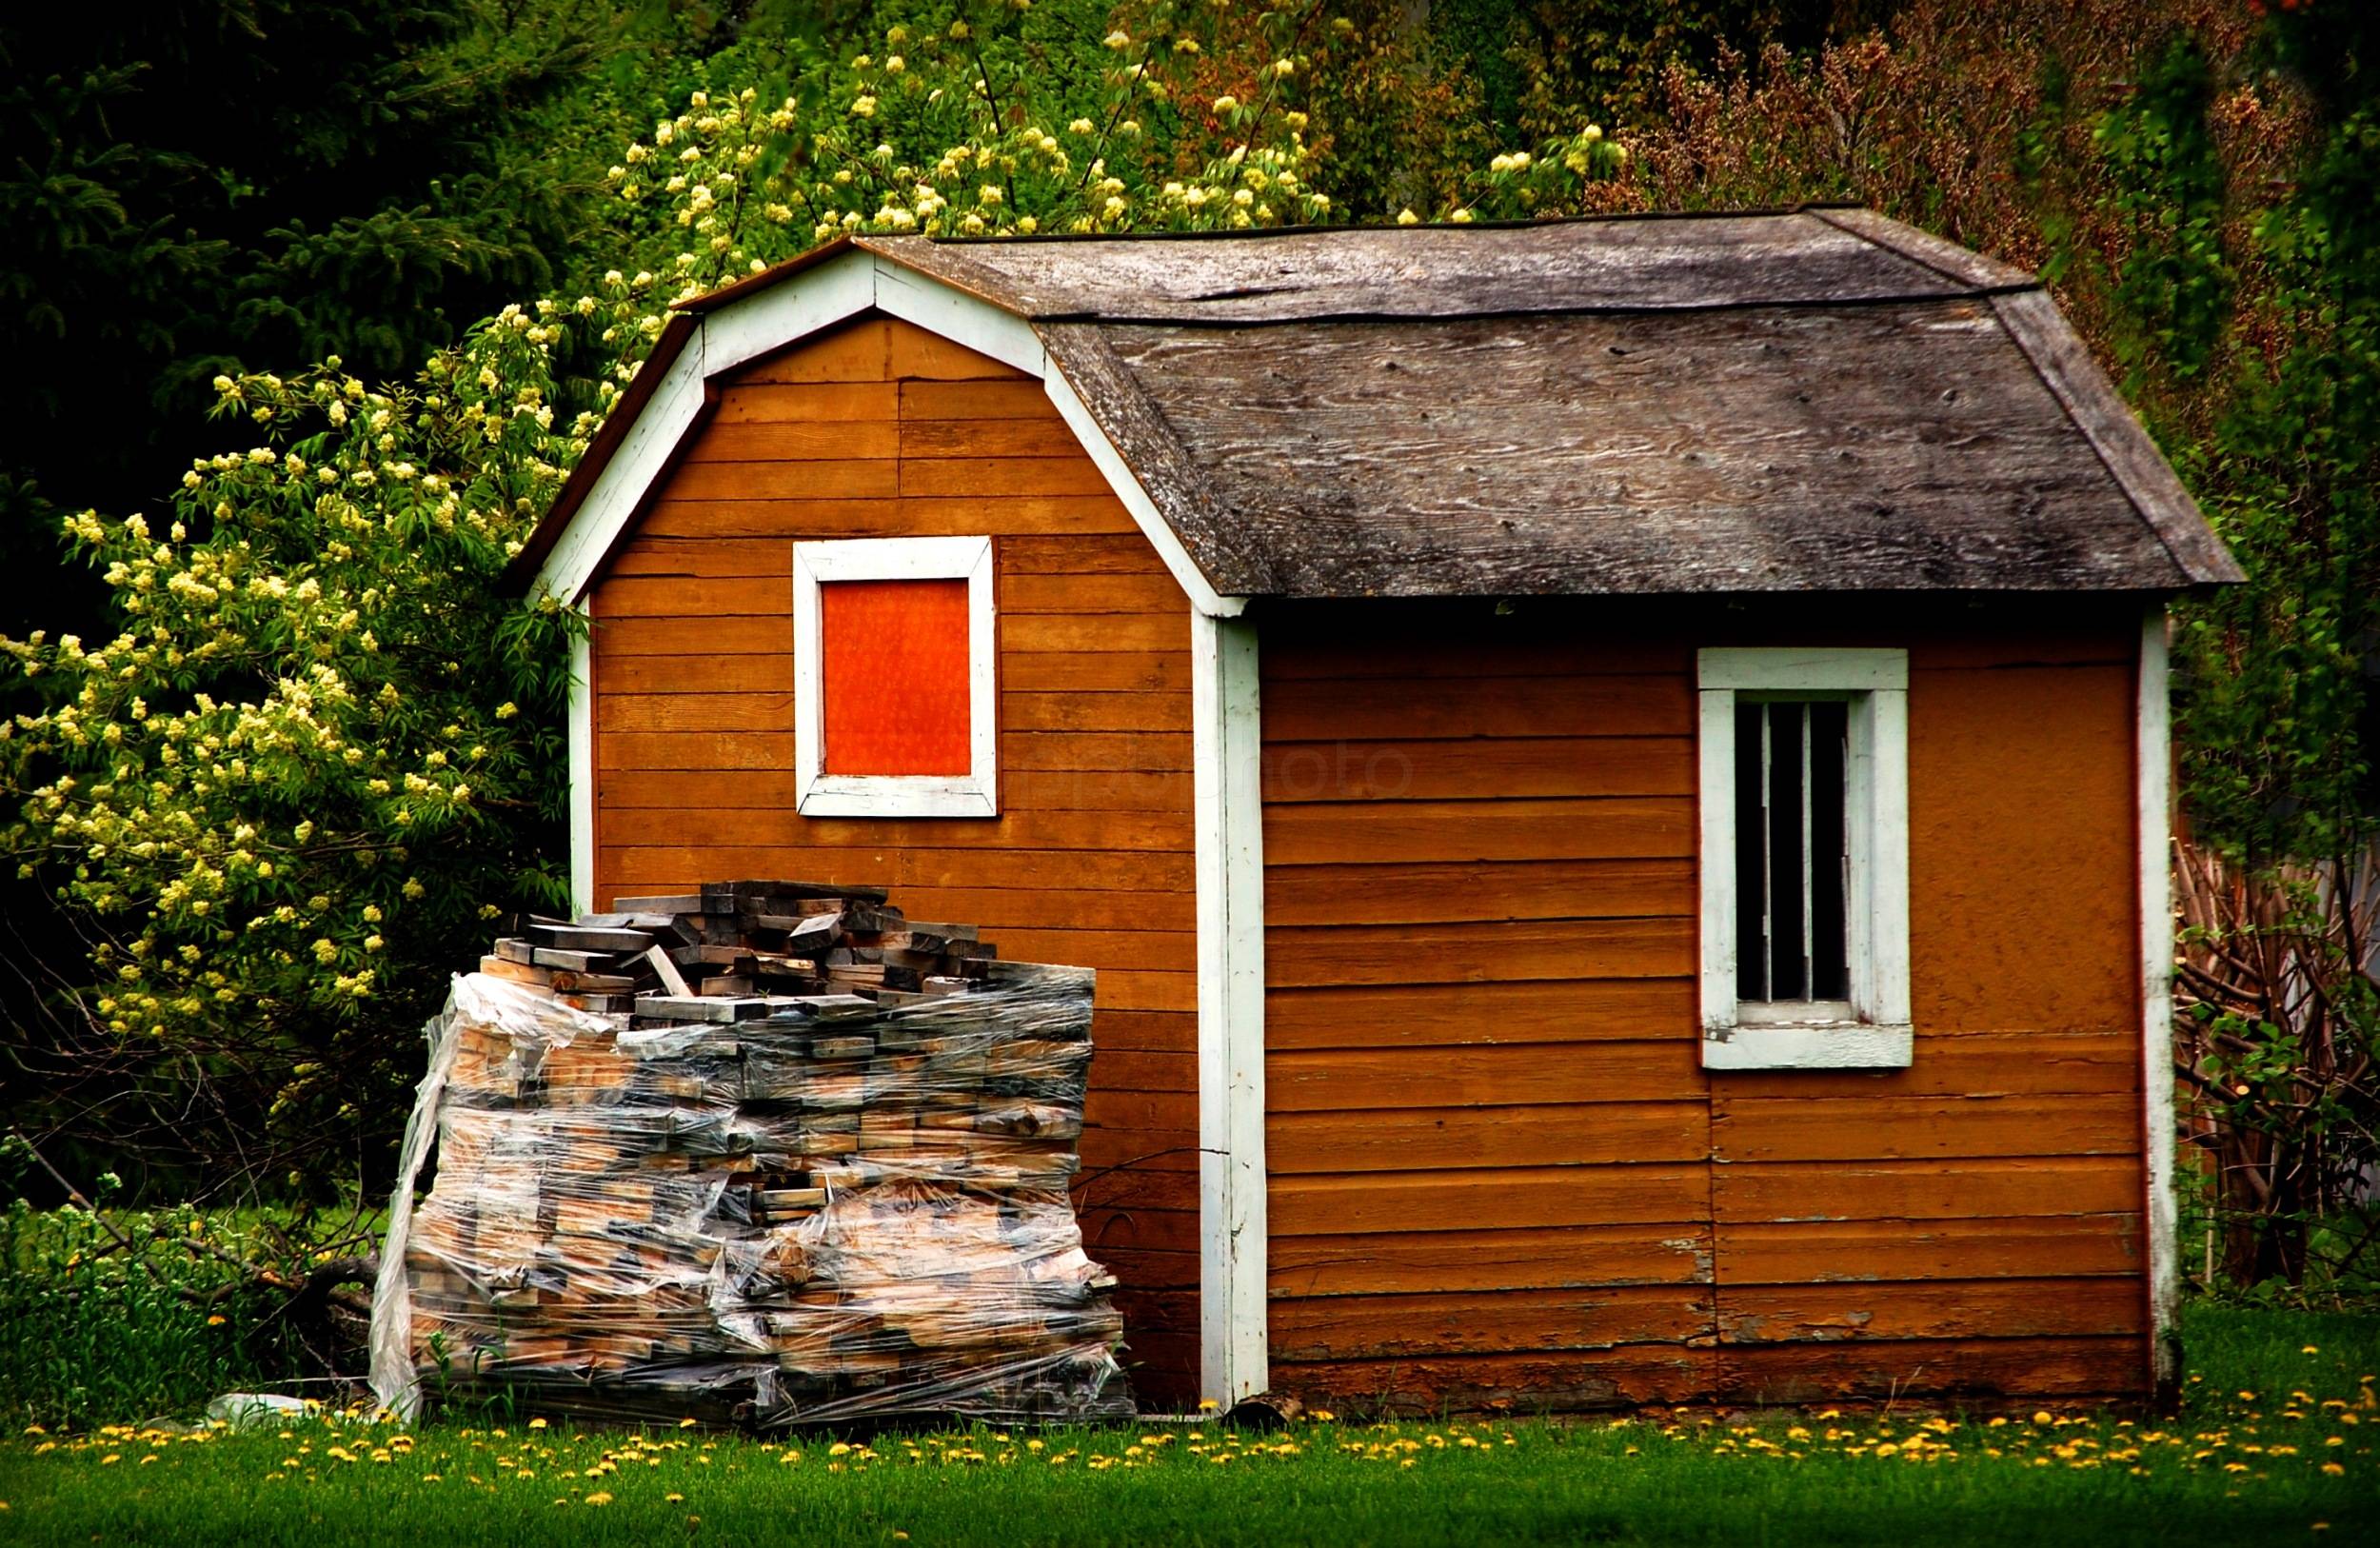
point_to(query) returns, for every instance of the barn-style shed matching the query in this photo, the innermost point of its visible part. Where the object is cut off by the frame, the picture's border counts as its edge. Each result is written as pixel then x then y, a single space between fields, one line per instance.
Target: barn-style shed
pixel 1614 771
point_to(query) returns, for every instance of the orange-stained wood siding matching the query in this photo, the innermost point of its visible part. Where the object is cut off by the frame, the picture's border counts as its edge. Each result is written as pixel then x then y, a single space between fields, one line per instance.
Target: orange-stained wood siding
pixel 1498 1170
pixel 879 429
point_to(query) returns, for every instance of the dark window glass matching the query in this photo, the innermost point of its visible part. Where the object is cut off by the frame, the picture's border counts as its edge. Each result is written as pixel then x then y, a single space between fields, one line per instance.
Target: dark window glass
pixel 1792 864
pixel 1788 977
pixel 1752 885
pixel 1829 857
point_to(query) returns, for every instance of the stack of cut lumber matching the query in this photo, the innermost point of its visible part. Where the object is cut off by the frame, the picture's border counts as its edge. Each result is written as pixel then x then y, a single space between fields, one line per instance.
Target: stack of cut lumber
pixel 769 1152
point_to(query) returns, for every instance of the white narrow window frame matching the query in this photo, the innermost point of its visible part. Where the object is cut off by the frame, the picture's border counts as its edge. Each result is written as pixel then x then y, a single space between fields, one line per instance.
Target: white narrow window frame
pixel 2153 723
pixel 1870 1030
pixel 819 793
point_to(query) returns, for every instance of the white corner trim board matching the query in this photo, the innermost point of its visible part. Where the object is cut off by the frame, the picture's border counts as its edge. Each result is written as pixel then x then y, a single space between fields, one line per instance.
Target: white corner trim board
pixel 1235 1355
pixel 581 735
pixel 818 791
pixel 781 314
pixel 2153 757
pixel 1872 1029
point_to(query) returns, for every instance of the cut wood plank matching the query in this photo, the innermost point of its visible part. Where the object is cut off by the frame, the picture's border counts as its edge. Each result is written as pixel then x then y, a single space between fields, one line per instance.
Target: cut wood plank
pixel 1573 1380
pixel 1515 1077
pixel 1090 870
pixel 671 979
pixel 1896 1371
pixel 748 516
pixel 1161 711
pixel 1418 709
pixel 1925 1190
pixel 751 790
pixel 1438 1015
pixel 1134 592
pixel 764 403
pixel 850 479
pixel 1434 1326
pixel 1482 1261
pixel 1496 952
pixel 770 675
pixel 1456 893
pixel 995 477
pixel 1118 833
pixel 1462 640
pixel 1477 770
pixel 2007 1308
pixel 1969 1064
pixel 793 440
pixel 1495 1200
pixel 1990 1247
pixel 1881 1127
pixel 1148 672
pixel 1017 436
pixel 1399 1139
pixel 975 400
pixel 1400 832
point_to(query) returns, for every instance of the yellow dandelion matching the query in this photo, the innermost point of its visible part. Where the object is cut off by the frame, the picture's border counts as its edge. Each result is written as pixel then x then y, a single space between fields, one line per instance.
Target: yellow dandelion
pixel 674 1500
pixel 537 1424
pixel 598 1498
pixel 686 1423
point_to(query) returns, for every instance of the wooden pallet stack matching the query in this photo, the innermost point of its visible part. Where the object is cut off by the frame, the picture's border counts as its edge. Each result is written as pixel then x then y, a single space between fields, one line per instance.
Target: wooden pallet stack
pixel 769 1152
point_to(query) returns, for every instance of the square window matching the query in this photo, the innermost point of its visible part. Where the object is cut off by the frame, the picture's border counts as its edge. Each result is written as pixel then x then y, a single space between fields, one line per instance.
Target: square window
pixel 893 678
pixel 1805 859
pixel 895 666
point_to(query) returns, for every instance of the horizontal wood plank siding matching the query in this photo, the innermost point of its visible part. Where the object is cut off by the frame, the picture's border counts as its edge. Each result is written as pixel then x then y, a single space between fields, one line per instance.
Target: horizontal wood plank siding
pixel 1499 1171
pixel 879 429
pixel 1489 1134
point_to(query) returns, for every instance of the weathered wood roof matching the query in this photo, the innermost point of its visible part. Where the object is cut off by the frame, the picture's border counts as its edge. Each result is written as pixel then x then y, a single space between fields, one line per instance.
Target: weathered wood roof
pixel 1807 399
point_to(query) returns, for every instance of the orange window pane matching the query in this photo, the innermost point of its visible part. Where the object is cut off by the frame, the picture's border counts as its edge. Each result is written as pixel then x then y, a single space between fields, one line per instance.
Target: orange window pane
pixel 894 667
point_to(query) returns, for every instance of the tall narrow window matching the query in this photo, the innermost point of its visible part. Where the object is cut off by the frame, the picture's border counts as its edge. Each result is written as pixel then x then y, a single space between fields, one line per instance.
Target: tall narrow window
pixel 894 707
pixel 1804 858
pixel 1793 866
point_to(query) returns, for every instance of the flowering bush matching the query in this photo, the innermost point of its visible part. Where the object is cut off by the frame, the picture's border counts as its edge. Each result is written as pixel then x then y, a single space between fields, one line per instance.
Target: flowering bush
pixel 322 749
pixel 317 753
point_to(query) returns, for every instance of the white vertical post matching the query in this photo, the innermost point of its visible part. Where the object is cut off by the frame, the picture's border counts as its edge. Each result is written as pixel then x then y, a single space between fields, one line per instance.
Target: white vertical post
pixel 1235 1353
pixel 582 735
pixel 2153 755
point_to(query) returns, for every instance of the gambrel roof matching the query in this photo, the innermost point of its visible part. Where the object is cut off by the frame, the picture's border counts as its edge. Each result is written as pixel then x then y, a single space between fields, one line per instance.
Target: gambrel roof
pixel 1816 399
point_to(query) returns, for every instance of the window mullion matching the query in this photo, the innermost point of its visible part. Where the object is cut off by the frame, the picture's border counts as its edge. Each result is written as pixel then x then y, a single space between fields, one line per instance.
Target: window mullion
pixel 1768 859
pixel 1809 956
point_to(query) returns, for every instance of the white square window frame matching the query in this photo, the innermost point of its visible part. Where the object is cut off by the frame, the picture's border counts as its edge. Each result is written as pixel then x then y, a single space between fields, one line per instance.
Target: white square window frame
pixel 819 793
pixel 1872 1030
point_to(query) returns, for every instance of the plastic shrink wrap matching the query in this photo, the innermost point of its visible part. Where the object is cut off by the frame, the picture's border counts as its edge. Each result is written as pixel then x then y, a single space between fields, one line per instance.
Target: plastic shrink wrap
pixel 835 1210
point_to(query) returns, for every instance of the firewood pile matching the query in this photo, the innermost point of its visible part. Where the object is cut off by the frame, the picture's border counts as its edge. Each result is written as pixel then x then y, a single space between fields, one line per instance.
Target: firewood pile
pixel 771 1153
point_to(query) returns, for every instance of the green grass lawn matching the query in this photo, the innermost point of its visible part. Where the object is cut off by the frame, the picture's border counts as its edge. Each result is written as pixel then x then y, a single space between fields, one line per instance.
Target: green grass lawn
pixel 2276 1443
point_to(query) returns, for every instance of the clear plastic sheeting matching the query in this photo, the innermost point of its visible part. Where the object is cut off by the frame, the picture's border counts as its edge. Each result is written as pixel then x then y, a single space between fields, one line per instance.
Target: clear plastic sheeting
pixel 842 1210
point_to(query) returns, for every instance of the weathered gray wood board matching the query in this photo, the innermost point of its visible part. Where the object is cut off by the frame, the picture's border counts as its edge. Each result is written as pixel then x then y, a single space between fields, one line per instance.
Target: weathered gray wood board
pixel 1901 446
pixel 1432 272
pixel 1816 399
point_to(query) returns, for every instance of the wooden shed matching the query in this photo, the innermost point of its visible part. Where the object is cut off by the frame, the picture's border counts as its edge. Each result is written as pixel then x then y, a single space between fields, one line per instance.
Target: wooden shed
pixel 1614 772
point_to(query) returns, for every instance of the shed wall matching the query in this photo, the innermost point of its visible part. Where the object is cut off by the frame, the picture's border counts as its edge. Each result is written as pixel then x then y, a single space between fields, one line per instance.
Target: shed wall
pixel 882 429
pixel 1498 1172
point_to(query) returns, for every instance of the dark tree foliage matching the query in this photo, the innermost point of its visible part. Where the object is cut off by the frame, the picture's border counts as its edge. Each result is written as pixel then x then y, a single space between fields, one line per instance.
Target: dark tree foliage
pixel 198 186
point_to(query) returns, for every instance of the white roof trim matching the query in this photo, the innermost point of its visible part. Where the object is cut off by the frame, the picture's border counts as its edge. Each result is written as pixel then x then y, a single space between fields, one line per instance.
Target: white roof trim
pixel 783 314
